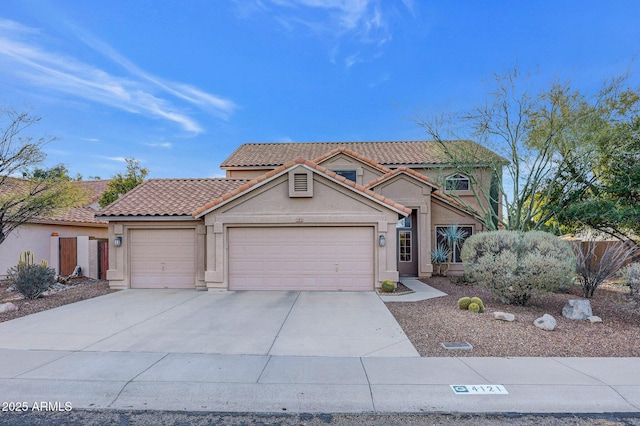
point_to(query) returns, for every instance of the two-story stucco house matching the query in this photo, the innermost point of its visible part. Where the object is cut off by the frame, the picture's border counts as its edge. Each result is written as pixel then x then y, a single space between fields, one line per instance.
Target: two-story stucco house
pixel 293 216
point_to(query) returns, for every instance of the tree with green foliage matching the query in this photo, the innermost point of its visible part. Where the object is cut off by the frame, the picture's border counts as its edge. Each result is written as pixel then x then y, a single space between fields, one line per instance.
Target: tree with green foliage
pixel 120 184
pixel 39 192
pixel 519 123
pixel 573 159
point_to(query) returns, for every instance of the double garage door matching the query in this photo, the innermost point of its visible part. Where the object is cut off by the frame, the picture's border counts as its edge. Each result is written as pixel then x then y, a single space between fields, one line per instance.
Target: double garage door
pixel 301 258
pixel 276 258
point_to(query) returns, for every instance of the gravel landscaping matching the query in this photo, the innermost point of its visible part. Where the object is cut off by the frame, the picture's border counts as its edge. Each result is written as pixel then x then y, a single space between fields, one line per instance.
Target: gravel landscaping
pixel 75 290
pixel 431 322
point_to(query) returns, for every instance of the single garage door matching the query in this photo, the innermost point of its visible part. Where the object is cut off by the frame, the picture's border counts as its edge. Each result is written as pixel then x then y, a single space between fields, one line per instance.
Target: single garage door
pixel 162 258
pixel 301 258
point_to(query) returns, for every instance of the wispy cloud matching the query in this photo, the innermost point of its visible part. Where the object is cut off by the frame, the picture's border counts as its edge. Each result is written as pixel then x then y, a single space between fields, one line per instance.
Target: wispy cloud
pixel 159 144
pixel 23 54
pixel 359 22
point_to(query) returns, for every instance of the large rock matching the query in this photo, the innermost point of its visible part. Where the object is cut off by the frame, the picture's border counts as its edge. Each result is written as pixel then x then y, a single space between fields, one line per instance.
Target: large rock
pixel 504 316
pixel 545 322
pixel 7 307
pixel 577 309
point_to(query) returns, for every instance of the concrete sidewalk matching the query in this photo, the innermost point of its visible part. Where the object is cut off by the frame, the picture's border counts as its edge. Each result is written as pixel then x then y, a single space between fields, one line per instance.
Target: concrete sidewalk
pixel 254 383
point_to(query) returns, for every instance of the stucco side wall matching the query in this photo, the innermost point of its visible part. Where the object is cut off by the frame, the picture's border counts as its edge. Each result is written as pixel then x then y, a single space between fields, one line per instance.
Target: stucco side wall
pixel 37 239
pixel 482 175
pixel 246 174
pixel 270 205
pixel 415 195
pixel 365 173
pixel 119 257
pixel 445 215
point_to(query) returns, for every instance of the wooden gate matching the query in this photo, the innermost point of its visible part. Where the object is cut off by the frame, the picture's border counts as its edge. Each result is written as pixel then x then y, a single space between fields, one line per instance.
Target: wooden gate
pixel 103 259
pixel 68 255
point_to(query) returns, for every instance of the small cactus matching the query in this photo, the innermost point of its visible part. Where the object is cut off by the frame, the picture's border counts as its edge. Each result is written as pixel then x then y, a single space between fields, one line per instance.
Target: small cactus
pixel 479 302
pixel 26 258
pixel 474 307
pixel 388 286
pixel 463 303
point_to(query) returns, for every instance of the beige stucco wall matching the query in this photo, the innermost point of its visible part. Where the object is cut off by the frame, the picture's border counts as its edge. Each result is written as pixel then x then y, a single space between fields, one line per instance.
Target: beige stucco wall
pixel 271 205
pixel 37 239
pixel 415 195
pixel 365 173
pixel 119 257
pixel 446 215
pixel 482 176
pixel 246 174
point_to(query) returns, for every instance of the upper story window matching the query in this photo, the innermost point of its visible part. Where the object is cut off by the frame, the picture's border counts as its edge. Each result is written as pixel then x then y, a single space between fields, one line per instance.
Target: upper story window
pixel 457 182
pixel 347 174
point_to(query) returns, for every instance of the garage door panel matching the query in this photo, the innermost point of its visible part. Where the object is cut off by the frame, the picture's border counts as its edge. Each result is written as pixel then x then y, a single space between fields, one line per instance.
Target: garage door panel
pixel 303 258
pixel 162 258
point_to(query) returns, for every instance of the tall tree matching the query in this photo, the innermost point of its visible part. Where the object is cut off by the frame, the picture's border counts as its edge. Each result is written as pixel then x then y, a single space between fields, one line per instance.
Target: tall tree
pixel 120 184
pixel 39 192
pixel 521 125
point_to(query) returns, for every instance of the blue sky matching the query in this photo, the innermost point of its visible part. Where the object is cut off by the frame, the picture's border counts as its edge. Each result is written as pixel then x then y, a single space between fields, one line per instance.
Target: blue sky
pixel 180 84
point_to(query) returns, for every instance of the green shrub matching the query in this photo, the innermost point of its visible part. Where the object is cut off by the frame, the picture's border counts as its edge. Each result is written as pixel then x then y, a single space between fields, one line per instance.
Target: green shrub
pixel 30 280
pixel 473 307
pixel 463 303
pixel 478 302
pixel 515 265
pixel 631 276
pixel 388 286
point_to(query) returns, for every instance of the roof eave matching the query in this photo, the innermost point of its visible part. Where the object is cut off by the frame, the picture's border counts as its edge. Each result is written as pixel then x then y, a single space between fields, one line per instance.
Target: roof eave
pixel 146 218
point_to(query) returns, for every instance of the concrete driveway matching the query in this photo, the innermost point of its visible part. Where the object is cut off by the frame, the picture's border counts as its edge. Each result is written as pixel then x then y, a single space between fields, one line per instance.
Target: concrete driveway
pixel 183 321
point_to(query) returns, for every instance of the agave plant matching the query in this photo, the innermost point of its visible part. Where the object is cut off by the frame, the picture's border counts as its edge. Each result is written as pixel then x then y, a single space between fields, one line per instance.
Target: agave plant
pixel 453 235
pixel 439 256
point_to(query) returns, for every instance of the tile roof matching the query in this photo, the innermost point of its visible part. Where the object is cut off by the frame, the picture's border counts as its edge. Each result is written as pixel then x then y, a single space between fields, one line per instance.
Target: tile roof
pixel 94 188
pixel 403 169
pixel 347 151
pixel 384 153
pixel 170 197
pixel 78 215
pixel 300 160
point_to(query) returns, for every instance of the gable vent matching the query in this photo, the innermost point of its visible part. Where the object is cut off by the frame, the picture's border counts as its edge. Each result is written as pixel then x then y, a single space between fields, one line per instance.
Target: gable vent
pixel 300 183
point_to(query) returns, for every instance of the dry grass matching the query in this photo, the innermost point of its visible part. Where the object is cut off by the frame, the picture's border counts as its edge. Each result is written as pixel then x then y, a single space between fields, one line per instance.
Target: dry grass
pixel 431 322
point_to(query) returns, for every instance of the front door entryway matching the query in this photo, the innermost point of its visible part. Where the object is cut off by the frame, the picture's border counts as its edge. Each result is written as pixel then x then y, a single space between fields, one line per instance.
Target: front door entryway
pixel 407 238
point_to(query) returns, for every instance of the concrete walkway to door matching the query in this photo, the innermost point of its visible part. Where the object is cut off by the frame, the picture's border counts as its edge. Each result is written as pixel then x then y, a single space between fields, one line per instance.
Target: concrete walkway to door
pixel 250 323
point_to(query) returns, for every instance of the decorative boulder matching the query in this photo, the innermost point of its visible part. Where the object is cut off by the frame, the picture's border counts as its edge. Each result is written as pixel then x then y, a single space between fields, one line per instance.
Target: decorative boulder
pixel 545 322
pixel 7 307
pixel 504 316
pixel 594 319
pixel 577 309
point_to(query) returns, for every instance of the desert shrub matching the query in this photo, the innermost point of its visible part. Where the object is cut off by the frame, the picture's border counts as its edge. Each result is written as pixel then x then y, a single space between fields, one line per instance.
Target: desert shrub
pixel 474 307
pixel 631 276
pixel 478 302
pixel 515 265
pixel 388 286
pixel 594 268
pixel 31 280
pixel 463 303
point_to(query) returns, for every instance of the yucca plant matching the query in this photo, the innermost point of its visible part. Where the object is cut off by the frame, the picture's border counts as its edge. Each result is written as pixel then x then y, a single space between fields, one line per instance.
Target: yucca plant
pixel 439 256
pixel 453 235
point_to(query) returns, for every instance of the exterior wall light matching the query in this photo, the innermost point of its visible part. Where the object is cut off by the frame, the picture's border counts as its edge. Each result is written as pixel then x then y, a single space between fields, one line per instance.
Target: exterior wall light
pixel 382 240
pixel 117 242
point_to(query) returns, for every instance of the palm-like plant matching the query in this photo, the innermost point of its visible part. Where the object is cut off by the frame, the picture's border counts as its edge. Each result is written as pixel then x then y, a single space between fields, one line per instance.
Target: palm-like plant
pixel 453 235
pixel 439 256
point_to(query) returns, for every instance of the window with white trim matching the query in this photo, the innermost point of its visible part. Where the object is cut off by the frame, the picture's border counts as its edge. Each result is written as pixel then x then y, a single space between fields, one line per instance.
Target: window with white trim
pixel 457 248
pixel 404 246
pixel 457 182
